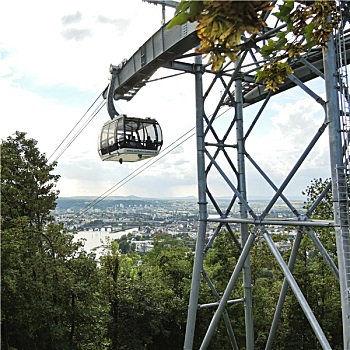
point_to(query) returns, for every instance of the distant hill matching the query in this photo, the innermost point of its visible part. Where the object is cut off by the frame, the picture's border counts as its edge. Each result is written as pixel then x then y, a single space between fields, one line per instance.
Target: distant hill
pixel 80 202
pixel 128 198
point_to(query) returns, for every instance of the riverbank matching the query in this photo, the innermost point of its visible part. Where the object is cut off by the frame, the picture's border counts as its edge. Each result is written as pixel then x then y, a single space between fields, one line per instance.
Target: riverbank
pixel 96 240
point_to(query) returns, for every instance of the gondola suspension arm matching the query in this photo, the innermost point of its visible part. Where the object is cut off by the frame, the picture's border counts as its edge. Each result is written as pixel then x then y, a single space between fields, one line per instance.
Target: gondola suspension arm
pixel 110 103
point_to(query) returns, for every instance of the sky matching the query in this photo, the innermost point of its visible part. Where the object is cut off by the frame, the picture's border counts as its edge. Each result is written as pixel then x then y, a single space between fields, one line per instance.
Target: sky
pixel 54 63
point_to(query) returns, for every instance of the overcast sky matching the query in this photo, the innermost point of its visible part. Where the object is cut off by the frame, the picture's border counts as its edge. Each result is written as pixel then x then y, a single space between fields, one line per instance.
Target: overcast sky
pixel 55 59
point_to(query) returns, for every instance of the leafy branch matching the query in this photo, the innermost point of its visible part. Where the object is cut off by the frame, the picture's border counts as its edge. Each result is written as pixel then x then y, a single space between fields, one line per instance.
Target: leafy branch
pixel 223 24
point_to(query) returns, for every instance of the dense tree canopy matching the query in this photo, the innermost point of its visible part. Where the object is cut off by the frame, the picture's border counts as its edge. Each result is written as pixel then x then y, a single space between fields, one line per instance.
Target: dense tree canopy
pixel 50 295
pixel 55 295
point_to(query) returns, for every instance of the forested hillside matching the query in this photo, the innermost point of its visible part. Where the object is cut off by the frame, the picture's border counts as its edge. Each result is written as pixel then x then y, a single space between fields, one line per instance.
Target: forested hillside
pixel 54 295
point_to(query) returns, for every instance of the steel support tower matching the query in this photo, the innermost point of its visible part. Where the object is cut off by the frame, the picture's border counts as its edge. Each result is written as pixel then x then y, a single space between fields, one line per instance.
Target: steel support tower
pixel 224 154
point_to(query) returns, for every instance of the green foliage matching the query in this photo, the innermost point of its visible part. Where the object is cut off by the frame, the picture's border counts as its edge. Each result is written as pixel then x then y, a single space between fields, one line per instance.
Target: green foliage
pixel 186 11
pixel 308 25
pixel 148 302
pixel 54 295
pixel 274 74
pixel 314 277
pixel 324 209
pixel 50 293
pixel 222 25
pixel 321 290
pixel 219 264
pixel 27 185
pixel 312 274
pixel 124 245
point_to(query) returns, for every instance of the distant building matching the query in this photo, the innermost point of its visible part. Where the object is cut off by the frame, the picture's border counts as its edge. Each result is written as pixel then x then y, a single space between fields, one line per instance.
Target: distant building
pixel 142 246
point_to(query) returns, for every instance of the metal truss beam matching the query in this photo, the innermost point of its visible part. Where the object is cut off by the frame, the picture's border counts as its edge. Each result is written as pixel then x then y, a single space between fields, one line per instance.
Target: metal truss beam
pixel 239 92
pixel 164 46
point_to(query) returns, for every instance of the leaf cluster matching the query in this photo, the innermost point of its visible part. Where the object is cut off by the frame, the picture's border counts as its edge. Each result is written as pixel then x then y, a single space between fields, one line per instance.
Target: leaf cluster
pixel 223 24
pixel 273 74
pixel 308 26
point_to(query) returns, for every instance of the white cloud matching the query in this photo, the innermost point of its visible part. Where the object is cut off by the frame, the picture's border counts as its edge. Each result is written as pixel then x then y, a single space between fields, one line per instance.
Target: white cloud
pixel 41 48
pixel 291 130
pixel 76 34
pixel 69 19
pixel 55 61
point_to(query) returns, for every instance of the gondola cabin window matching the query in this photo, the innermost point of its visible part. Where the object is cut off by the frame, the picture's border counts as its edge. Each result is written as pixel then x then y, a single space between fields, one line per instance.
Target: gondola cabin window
pixel 127 139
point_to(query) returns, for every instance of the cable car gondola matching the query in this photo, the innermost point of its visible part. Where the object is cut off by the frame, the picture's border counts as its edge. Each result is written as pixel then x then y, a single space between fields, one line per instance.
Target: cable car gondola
pixel 127 139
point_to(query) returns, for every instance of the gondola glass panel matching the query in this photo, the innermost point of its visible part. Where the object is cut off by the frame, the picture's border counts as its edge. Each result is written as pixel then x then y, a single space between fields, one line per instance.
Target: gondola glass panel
pixel 126 139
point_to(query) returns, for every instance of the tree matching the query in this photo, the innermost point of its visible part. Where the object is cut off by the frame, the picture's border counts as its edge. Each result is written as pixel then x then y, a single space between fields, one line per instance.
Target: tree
pixel 313 275
pixel 50 287
pixel 315 279
pixel 148 301
pixel 50 291
pixel 27 185
pixel 218 265
pixel 223 24
pixel 169 268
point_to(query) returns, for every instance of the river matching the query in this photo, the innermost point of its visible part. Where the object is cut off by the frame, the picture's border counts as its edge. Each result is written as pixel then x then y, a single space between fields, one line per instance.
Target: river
pixel 97 239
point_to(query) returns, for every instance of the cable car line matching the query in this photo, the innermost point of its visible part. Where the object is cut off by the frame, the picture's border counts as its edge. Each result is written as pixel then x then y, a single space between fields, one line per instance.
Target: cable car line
pixel 136 172
pixel 166 77
pixel 74 127
pixel 92 116
pixel 102 104
pixel 142 168
pixel 79 121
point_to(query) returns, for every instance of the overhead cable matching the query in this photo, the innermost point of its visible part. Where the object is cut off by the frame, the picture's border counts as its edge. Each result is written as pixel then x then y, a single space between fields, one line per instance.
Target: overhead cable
pixel 96 111
pixel 142 168
pixel 91 118
pixel 94 114
pixel 137 171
